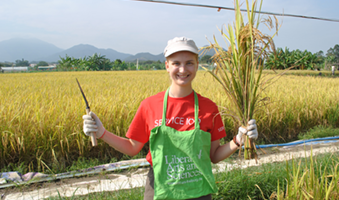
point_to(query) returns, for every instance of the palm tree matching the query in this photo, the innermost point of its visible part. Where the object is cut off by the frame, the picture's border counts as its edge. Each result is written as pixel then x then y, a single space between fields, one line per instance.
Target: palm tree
pixel 64 63
pixel 279 59
pixel 98 62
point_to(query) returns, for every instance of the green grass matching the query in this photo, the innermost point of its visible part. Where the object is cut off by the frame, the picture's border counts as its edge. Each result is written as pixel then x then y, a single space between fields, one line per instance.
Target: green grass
pixel 319 132
pixel 135 194
pixel 245 183
pixel 258 182
pixel 80 164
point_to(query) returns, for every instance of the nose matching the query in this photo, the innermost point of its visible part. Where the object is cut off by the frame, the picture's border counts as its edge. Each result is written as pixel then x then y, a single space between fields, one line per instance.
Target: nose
pixel 182 68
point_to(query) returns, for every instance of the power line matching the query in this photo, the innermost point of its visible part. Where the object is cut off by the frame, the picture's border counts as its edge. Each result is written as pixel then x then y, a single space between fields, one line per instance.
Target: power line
pixel 243 10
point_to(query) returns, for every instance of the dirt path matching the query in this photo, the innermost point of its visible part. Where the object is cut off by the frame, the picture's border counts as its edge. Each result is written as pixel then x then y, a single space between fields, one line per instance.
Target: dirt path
pixel 136 177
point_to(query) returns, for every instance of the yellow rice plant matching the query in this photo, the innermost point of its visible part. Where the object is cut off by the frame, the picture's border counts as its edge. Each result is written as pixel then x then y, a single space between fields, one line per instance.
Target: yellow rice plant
pixel 41 113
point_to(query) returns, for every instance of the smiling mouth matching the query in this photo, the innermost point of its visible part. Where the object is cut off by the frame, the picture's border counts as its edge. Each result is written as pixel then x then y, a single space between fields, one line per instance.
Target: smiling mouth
pixel 183 76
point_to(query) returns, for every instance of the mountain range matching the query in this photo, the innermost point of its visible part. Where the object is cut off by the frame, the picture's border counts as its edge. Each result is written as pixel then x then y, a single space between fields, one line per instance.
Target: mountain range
pixel 35 50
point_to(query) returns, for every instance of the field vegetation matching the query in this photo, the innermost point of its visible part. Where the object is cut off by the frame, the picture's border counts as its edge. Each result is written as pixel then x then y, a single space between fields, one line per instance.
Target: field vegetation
pixel 41 113
pixel 303 178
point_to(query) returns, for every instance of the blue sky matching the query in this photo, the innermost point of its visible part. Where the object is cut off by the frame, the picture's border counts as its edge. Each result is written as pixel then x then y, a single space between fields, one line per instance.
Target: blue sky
pixel 132 27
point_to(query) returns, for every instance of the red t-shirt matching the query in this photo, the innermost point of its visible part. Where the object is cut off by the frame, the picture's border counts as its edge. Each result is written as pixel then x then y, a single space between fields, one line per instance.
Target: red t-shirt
pixel 179 115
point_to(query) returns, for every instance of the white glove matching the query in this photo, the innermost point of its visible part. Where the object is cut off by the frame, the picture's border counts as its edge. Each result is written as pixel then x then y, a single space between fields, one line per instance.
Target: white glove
pixel 250 130
pixel 92 124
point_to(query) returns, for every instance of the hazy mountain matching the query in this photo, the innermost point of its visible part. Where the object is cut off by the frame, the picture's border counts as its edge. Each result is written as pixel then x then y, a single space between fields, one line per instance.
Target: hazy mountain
pixel 37 50
pixel 145 56
pixel 148 56
pixel 82 50
pixel 29 49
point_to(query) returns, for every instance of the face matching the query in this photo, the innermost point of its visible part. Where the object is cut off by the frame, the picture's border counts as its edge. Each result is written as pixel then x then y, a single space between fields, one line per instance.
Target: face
pixel 182 68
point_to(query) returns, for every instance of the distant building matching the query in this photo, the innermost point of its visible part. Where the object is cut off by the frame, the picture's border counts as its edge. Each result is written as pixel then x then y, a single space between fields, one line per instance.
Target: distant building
pixel 47 68
pixel 14 69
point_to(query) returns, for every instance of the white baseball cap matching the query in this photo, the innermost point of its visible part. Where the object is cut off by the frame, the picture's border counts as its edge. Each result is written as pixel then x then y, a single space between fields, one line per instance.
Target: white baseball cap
pixel 180 44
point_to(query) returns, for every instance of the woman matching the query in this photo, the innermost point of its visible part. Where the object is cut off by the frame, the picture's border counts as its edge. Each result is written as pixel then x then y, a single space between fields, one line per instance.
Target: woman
pixel 183 129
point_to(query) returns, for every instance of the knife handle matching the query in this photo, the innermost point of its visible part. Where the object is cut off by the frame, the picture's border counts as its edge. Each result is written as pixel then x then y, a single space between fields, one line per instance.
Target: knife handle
pixel 93 135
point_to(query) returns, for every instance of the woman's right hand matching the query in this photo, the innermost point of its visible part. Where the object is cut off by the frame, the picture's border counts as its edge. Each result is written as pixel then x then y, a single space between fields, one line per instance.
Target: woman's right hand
pixel 92 124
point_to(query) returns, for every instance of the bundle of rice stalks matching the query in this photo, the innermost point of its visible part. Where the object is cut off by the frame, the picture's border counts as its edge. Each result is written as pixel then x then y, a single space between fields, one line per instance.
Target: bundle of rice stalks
pixel 239 69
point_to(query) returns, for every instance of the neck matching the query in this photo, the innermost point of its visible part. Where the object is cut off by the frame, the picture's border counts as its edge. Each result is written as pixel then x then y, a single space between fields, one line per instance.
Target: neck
pixel 178 92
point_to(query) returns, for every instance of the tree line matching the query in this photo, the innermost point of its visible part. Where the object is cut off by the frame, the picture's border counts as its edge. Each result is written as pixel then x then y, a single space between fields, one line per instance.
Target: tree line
pixel 22 63
pixel 284 58
pixel 280 59
pixel 98 62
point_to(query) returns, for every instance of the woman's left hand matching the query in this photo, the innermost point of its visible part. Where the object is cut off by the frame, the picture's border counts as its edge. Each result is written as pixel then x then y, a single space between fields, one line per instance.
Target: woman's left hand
pixel 250 130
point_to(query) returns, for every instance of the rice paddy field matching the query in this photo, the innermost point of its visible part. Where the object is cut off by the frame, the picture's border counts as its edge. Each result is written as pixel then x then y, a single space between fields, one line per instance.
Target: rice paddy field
pixel 41 113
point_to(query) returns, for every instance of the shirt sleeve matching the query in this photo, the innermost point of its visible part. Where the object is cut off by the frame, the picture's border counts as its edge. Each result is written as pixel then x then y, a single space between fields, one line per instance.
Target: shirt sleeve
pixel 138 129
pixel 218 130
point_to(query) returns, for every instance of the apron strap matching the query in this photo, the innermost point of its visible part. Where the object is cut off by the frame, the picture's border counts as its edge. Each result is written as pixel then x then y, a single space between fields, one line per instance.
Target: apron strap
pixel 164 108
pixel 196 109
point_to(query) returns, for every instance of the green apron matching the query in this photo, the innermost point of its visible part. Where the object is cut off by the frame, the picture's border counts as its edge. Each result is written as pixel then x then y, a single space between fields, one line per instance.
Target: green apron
pixel 181 160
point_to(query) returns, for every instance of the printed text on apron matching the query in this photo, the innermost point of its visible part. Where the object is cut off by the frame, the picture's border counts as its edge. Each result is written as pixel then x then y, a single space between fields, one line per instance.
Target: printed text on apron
pixel 181 160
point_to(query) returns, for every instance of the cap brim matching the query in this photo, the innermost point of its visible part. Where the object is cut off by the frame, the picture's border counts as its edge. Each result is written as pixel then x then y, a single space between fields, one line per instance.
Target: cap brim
pixel 180 48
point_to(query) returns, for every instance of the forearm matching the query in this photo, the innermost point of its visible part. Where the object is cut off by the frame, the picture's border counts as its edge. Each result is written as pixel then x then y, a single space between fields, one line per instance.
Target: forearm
pixel 222 152
pixel 124 145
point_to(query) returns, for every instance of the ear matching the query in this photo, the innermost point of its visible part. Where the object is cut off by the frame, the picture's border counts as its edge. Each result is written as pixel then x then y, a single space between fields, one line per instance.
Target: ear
pixel 167 65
